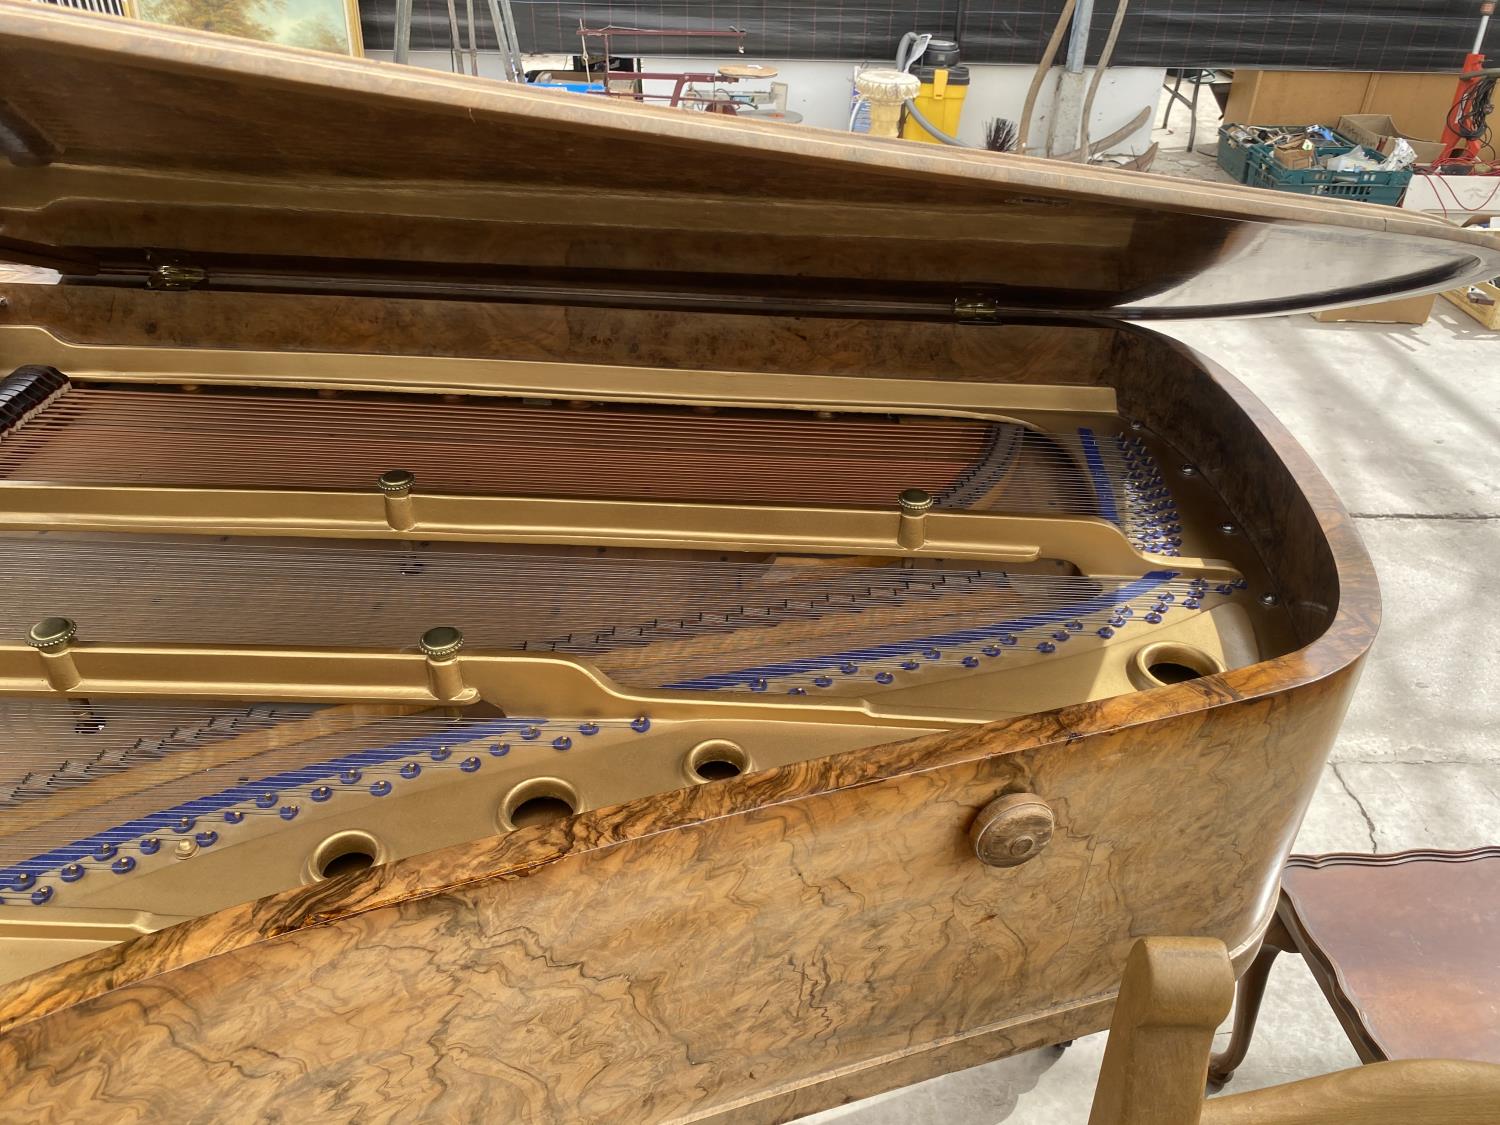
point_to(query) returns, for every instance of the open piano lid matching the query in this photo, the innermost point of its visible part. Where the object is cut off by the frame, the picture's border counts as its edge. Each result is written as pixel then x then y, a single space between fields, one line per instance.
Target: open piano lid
pixel 139 154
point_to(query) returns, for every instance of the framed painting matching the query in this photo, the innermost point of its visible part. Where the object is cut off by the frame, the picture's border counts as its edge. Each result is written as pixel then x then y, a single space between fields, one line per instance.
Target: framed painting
pixel 319 25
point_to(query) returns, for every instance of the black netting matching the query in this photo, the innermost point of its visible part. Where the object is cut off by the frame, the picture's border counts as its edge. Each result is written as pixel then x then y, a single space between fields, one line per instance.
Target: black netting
pixel 1335 34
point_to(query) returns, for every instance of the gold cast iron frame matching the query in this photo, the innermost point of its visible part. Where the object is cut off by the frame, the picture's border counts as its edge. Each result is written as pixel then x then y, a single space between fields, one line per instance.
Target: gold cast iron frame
pixel 396 509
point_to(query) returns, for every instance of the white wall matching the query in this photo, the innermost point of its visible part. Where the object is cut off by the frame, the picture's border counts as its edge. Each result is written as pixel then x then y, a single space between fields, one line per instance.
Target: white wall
pixel 1000 91
pixel 820 92
pixel 489 61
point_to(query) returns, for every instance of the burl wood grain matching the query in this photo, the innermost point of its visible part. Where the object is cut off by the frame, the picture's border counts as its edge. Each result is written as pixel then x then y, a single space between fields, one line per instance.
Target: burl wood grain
pixel 1284 506
pixel 767 934
pixel 753 949
pixel 697 193
pixel 1006 354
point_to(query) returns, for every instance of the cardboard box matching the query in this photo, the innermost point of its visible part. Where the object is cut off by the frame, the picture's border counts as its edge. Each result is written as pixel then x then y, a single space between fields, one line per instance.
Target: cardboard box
pixel 1321 95
pixel 1378 131
pixel 1407 310
pixel 1293 156
pixel 1458 199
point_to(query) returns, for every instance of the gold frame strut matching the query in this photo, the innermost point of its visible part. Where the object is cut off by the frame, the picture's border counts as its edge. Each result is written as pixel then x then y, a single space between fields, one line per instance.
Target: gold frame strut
pixel 395 510
pixel 521 684
pixel 531 378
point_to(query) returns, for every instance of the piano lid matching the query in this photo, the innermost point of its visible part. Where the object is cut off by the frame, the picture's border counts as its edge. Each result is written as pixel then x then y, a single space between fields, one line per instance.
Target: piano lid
pixel 139 154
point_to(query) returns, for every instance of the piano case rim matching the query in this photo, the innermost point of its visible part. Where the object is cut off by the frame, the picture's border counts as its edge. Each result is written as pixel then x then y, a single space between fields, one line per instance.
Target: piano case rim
pixel 1327 666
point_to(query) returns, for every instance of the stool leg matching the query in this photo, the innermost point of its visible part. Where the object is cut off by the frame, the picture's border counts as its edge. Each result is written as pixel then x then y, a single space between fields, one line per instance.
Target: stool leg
pixel 1251 990
pixel 1193 110
pixel 1167 116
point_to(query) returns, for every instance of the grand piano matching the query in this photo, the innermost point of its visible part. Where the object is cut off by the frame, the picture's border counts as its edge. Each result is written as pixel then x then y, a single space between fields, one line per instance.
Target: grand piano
pixel 523 607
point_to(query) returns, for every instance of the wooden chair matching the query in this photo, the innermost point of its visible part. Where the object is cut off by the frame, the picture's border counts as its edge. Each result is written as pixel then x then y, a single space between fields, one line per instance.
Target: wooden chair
pixel 1175 994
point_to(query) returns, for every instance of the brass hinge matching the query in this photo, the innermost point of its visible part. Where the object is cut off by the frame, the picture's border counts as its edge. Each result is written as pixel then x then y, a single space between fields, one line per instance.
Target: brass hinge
pixel 976 308
pixel 171 275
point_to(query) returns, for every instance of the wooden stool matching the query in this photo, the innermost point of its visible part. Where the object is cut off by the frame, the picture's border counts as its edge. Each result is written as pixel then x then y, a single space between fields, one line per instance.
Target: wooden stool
pixel 1406 947
pixel 1175 992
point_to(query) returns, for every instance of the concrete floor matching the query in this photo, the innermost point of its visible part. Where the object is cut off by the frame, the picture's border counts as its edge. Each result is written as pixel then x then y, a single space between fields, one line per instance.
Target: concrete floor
pixel 1405 421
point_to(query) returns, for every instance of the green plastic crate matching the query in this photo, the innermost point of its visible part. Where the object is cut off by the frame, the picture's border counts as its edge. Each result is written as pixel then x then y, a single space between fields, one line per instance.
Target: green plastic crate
pixel 1366 187
pixel 1234 157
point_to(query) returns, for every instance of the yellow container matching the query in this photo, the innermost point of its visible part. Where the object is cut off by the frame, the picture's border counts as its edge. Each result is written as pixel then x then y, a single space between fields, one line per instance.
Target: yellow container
pixel 941 101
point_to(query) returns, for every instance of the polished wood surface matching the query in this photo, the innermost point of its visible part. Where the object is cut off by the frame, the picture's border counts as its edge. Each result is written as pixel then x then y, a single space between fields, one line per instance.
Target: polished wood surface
pixel 1403 946
pixel 1409 1092
pixel 559 973
pixel 1406 945
pixel 498 184
pixel 1011 353
pixel 1175 992
pixel 1092 889
pixel 1301 532
pixel 157 104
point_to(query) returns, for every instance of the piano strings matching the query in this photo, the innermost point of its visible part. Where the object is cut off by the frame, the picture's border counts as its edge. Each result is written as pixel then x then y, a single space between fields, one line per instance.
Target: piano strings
pixel 86 434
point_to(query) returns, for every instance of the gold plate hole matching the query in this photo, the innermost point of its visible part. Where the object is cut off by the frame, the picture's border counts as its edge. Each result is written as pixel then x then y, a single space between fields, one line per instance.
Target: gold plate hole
pixel 718 759
pixel 344 853
pixel 539 800
pixel 1160 665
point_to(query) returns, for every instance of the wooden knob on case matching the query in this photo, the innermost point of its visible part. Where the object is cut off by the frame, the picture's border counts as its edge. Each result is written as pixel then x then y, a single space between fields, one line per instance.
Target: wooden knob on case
pixel 1011 830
